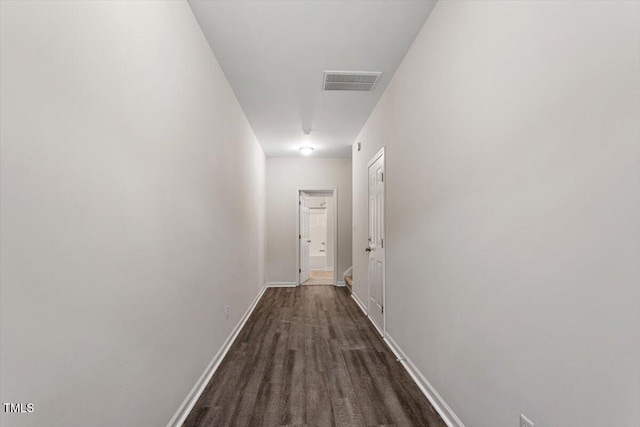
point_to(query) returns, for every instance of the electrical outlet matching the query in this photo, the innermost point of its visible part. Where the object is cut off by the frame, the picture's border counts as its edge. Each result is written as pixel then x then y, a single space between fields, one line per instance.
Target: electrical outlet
pixel 525 422
pixel 226 313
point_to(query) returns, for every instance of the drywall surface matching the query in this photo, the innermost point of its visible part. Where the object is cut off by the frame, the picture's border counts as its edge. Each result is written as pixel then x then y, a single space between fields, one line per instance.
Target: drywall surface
pixel 512 202
pixel 284 177
pixel 132 209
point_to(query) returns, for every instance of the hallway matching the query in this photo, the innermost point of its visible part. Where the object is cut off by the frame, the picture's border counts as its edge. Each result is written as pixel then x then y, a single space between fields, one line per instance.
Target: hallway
pixel 200 199
pixel 307 356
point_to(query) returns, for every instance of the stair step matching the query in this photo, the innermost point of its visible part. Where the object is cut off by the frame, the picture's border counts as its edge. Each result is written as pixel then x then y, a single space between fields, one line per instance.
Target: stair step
pixel 349 280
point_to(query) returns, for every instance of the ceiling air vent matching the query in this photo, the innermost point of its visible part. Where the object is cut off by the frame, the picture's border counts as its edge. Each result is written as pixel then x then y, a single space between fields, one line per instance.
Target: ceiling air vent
pixel 350 80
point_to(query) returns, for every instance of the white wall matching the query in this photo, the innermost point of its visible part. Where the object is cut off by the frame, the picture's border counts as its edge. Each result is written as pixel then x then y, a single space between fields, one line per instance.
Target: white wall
pixel 284 177
pixel 132 211
pixel 512 145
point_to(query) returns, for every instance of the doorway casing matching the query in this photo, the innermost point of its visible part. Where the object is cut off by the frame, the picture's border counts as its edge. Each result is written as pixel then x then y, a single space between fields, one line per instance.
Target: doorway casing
pixel 317 191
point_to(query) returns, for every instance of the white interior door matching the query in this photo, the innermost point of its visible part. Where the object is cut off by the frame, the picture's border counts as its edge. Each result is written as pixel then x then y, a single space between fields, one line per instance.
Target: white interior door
pixel 304 236
pixel 375 270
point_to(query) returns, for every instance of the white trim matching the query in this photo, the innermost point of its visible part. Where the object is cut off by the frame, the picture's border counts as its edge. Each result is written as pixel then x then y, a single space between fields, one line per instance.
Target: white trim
pixel 374 158
pixel 187 405
pixel 376 327
pixel 360 303
pixel 445 412
pixel 280 285
pixel 297 237
pixel 346 273
pixel 334 196
pixel 341 283
pixel 362 307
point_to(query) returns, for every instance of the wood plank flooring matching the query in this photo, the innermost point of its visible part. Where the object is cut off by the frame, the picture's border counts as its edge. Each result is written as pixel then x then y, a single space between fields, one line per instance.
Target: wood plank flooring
pixel 307 356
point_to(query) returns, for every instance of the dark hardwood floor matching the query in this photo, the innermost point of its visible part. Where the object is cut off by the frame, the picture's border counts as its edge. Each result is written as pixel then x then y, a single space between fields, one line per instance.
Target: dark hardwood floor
pixel 307 356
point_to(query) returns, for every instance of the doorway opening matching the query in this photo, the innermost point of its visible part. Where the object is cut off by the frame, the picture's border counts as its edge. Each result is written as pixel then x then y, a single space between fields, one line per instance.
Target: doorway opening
pixel 317 237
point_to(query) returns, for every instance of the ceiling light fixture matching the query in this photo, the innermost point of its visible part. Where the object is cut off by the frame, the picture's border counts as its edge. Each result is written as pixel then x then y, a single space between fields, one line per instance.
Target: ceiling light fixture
pixel 306 148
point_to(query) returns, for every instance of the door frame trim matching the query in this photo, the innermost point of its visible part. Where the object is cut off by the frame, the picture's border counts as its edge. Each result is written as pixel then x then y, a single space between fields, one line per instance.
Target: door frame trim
pixel 383 332
pixel 311 190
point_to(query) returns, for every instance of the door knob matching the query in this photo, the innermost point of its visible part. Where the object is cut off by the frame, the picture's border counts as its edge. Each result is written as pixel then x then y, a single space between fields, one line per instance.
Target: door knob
pixel 308 241
pixel 368 249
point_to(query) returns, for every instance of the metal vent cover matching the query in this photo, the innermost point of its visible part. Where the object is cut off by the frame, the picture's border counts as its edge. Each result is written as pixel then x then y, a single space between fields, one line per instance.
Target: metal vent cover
pixel 361 81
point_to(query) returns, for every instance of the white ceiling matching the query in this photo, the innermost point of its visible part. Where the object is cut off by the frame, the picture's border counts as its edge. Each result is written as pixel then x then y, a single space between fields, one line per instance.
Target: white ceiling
pixel 274 54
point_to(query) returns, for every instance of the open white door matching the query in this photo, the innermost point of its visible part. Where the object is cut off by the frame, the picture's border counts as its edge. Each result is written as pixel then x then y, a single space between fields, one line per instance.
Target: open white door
pixel 304 236
pixel 375 249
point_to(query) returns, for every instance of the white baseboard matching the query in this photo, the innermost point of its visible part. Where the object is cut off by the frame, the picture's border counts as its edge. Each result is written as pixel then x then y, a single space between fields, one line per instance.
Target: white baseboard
pixel 187 405
pixel 360 303
pixel 427 389
pixel 280 284
pixel 341 284
pixel 376 327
